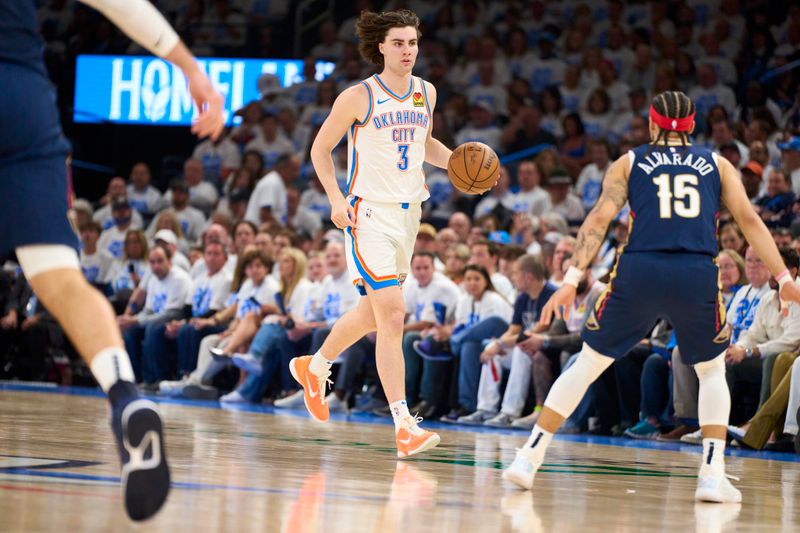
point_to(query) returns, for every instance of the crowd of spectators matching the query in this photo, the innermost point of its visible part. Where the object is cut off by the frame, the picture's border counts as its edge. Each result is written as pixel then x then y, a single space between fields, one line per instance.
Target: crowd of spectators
pixel 235 267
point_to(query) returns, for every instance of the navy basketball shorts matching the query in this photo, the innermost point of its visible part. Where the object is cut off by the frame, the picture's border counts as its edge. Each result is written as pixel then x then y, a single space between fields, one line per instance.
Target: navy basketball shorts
pixel 679 287
pixel 34 185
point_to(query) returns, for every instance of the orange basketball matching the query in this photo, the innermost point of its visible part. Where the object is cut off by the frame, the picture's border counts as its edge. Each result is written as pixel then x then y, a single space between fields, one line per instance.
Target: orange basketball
pixel 473 168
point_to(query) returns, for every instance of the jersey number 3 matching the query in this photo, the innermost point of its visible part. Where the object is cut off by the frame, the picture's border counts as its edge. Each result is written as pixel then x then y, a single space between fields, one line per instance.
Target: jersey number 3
pixel 683 198
pixel 402 164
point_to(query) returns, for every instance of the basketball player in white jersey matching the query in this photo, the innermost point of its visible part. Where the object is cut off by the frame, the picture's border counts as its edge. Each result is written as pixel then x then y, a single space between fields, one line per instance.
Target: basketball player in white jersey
pixel 388 120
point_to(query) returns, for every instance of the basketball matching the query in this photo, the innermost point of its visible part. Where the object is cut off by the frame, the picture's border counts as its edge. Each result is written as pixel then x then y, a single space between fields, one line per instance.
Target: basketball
pixel 473 168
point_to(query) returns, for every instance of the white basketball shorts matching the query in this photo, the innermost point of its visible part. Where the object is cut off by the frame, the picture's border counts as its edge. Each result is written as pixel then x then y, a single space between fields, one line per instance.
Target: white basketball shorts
pixel 380 246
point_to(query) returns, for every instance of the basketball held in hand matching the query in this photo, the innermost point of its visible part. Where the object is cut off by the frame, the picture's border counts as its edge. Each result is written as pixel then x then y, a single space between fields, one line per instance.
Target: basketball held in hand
pixel 473 168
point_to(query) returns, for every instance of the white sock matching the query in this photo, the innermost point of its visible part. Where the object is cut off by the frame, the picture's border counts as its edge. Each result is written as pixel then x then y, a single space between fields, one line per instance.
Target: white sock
pixel 319 366
pixel 112 365
pixel 400 414
pixel 713 455
pixel 539 440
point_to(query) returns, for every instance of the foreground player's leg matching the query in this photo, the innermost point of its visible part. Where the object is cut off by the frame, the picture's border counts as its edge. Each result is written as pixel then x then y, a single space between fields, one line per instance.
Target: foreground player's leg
pixel 713 410
pixel 312 372
pixel 387 305
pixel 564 396
pixel 88 319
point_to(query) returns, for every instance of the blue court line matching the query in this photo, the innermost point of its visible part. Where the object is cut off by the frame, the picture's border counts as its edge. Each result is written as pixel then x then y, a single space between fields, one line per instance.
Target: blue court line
pixel 366 418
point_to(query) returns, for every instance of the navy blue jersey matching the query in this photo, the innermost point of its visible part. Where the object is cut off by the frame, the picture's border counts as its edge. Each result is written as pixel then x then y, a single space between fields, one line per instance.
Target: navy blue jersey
pixel 20 41
pixel 674 194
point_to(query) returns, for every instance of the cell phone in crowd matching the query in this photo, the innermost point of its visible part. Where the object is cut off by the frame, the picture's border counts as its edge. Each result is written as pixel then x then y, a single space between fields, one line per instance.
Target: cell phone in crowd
pixel 523 337
pixel 131 268
pixel 253 301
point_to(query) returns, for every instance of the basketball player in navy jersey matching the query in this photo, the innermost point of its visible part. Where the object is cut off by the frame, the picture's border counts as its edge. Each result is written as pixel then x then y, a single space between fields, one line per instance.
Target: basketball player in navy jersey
pixel 667 270
pixel 33 221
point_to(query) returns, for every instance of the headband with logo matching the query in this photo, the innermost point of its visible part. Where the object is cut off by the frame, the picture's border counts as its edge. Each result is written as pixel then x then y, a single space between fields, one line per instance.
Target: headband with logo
pixel 671 124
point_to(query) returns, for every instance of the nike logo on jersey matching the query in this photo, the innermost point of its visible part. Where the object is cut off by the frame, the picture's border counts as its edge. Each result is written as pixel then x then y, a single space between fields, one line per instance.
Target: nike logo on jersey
pixel 311 390
pixel 383 101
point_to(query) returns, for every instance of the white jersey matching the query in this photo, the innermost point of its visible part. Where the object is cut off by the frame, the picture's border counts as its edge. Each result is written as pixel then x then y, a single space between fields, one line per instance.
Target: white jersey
pixel 385 152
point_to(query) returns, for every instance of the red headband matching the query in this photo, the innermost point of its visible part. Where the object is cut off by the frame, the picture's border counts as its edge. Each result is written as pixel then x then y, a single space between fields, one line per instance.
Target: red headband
pixel 671 124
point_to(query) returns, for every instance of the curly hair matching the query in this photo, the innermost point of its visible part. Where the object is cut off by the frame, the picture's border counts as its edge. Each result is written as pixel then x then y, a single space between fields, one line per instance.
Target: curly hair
pixel 372 28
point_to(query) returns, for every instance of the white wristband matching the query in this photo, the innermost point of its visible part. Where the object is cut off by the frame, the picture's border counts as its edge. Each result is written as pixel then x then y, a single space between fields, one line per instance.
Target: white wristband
pixel 783 278
pixel 573 276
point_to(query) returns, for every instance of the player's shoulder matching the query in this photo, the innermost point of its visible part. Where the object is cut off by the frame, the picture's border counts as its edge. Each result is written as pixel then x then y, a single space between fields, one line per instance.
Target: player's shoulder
pixel 358 91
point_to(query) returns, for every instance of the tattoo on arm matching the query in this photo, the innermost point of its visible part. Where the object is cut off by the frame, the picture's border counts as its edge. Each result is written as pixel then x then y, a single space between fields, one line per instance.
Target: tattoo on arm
pixel 593 230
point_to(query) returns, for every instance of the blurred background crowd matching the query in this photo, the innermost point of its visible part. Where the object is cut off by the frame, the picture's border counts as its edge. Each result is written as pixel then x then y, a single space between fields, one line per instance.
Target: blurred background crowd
pixel 222 262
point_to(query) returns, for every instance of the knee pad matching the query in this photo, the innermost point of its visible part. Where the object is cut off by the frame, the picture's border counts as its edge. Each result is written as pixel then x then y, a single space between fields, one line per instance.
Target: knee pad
pixel 714 398
pixel 571 385
pixel 38 258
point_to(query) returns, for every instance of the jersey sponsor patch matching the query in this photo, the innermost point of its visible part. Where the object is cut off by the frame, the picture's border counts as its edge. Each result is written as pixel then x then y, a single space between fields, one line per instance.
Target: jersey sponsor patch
pixel 418 100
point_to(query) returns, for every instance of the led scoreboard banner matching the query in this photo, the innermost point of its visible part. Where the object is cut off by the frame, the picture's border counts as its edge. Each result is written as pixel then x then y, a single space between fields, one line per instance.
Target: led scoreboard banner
pixel 148 90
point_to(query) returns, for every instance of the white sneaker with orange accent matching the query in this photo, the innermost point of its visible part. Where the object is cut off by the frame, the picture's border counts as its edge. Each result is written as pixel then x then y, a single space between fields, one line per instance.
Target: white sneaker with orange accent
pixel 412 439
pixel 313 387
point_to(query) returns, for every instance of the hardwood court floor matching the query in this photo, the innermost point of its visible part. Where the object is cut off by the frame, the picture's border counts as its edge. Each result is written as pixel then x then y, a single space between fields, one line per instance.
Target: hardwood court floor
pixel 235 470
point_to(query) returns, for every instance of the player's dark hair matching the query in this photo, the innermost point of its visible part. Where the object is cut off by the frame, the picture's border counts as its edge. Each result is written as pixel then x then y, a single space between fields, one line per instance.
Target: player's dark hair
pixel 673 104
pixel 372 28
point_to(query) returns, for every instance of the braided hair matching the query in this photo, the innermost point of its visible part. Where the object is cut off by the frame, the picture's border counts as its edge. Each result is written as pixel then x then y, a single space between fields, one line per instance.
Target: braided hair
pixel 673 104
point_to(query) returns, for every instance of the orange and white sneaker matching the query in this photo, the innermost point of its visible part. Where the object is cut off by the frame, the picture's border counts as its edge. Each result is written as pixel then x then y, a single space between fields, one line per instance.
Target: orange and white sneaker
pixel 313 387
pixel 412 439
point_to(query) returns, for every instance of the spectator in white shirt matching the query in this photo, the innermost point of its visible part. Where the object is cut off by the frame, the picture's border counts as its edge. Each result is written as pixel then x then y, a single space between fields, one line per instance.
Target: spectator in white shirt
pixel 499 194
pixel 271 144
pixel 129 270
pixel 486 254
pixel 191 220
pixel 709 92
pixel 207 296
pixel 315 199
pixel 202 194
pixel 480 127
pixel 155 303
pixel 590 180
pixel 562 199
pixel 113 238
pixel 219 158
pixel 168 239
pixel 531 198
pixel 488 90
pixel 268 200
pixel 430 300
pixel 116 191
pixel 143 197
pixel 300 218
pixel 95 262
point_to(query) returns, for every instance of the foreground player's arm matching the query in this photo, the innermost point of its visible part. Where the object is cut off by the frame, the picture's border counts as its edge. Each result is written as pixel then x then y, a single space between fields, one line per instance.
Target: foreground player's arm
pixel 142 22
pixel 612 200
pixel 436 153
pixel 756 233
pixel 590 237
pixel 349 107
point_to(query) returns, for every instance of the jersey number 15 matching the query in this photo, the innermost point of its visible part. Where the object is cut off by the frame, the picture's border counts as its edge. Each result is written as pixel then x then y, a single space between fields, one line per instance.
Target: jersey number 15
pixel 683 198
